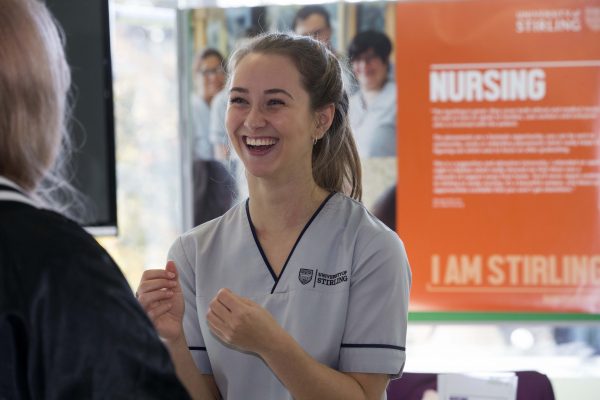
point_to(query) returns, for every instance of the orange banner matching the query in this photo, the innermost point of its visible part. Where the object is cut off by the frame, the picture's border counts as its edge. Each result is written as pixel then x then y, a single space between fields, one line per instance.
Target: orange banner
pixel 498 154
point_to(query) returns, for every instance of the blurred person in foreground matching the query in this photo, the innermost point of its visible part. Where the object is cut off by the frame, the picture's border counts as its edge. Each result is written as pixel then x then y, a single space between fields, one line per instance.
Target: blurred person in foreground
pixel 69 325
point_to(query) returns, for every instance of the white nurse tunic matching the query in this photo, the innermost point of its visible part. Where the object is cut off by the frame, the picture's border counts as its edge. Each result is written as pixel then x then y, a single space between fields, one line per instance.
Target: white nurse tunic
pixel 342 294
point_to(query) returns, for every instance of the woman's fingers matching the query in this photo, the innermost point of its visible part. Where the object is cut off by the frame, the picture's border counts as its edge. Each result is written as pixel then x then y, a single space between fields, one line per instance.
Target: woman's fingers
pixel 228 299
pixel 217 331
pixel 160 309
pixel 157 274
pixel 154 279
pixel 171 268
pixel 155 284
pixel 216 307
pixel 218 326
pixel 159 294
pixel 146 299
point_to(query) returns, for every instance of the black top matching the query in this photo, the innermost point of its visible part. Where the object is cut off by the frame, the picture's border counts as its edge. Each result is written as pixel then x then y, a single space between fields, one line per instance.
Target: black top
pixel 70 327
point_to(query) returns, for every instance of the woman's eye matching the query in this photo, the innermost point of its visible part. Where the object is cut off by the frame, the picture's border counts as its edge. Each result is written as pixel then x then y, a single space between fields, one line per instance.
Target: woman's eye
pixel 275 102
pixel 236 100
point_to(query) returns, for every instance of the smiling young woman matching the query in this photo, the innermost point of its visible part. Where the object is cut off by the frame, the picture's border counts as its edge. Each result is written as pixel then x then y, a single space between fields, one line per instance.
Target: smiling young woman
pixel 298 292
pixel 270 121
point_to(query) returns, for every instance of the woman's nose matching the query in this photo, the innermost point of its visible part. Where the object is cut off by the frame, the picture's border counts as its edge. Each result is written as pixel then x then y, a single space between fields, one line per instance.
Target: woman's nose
pixel 255 118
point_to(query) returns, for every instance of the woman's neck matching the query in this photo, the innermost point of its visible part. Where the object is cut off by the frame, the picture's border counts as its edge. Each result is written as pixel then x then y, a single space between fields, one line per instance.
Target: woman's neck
pixel 281 207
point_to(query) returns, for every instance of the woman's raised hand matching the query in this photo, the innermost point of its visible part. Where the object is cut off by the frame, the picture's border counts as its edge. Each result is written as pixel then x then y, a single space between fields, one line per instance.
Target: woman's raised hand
pixel 242 323
pixel 160 295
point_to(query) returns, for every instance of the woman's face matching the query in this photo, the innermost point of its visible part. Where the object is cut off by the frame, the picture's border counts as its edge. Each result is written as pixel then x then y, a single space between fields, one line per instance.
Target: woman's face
pixel 370 70
pixel 269 118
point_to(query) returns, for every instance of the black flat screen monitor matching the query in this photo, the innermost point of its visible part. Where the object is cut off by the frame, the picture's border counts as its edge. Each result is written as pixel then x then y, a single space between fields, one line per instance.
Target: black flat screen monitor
pixel 86 27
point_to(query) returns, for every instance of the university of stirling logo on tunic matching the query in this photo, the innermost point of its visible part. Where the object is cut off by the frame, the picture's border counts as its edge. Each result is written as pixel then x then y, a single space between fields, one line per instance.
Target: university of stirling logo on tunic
pixel 305 275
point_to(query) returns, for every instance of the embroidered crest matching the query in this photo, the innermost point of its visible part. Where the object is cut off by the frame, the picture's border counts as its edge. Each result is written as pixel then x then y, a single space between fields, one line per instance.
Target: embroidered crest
pixel 305 275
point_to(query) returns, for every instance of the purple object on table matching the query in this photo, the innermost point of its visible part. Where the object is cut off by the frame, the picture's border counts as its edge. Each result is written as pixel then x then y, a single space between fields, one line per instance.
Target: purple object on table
pixel 531 385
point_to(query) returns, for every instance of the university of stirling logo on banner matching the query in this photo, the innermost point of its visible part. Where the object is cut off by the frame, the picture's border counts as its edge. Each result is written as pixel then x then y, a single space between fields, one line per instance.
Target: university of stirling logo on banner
pixel 305 275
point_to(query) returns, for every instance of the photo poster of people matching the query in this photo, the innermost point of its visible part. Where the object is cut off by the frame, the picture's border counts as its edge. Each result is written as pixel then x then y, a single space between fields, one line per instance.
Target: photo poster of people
pixel 498 198
pixel 218 176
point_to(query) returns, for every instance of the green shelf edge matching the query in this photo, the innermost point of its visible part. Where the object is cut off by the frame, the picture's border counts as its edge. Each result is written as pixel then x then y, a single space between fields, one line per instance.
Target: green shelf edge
pixel 499 317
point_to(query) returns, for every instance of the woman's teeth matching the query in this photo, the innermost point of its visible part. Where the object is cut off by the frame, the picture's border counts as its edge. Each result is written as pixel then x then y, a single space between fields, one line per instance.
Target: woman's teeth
pixel 260 141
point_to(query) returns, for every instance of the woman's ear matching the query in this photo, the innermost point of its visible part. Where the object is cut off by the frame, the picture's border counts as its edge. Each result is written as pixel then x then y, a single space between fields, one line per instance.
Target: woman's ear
pixel 324 119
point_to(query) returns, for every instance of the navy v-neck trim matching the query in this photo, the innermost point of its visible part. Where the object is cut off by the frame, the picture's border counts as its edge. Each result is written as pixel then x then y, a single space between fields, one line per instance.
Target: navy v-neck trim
pixel 262 253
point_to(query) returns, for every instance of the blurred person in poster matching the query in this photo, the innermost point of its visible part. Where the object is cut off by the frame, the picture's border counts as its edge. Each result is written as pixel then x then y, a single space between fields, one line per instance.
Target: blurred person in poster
pixel 314 21
pixel 70 327
pixel 300 256
pixel 210 78
pixel 373 106
pixel 214 188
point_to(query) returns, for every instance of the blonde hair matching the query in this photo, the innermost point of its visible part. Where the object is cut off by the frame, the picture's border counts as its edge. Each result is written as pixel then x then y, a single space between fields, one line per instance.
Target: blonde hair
pixel 34 82
pixel 335 160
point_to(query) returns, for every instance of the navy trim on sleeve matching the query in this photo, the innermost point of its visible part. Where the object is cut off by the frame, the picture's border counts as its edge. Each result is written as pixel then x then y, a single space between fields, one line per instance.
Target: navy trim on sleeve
pixel 374 346
pixel 197 348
